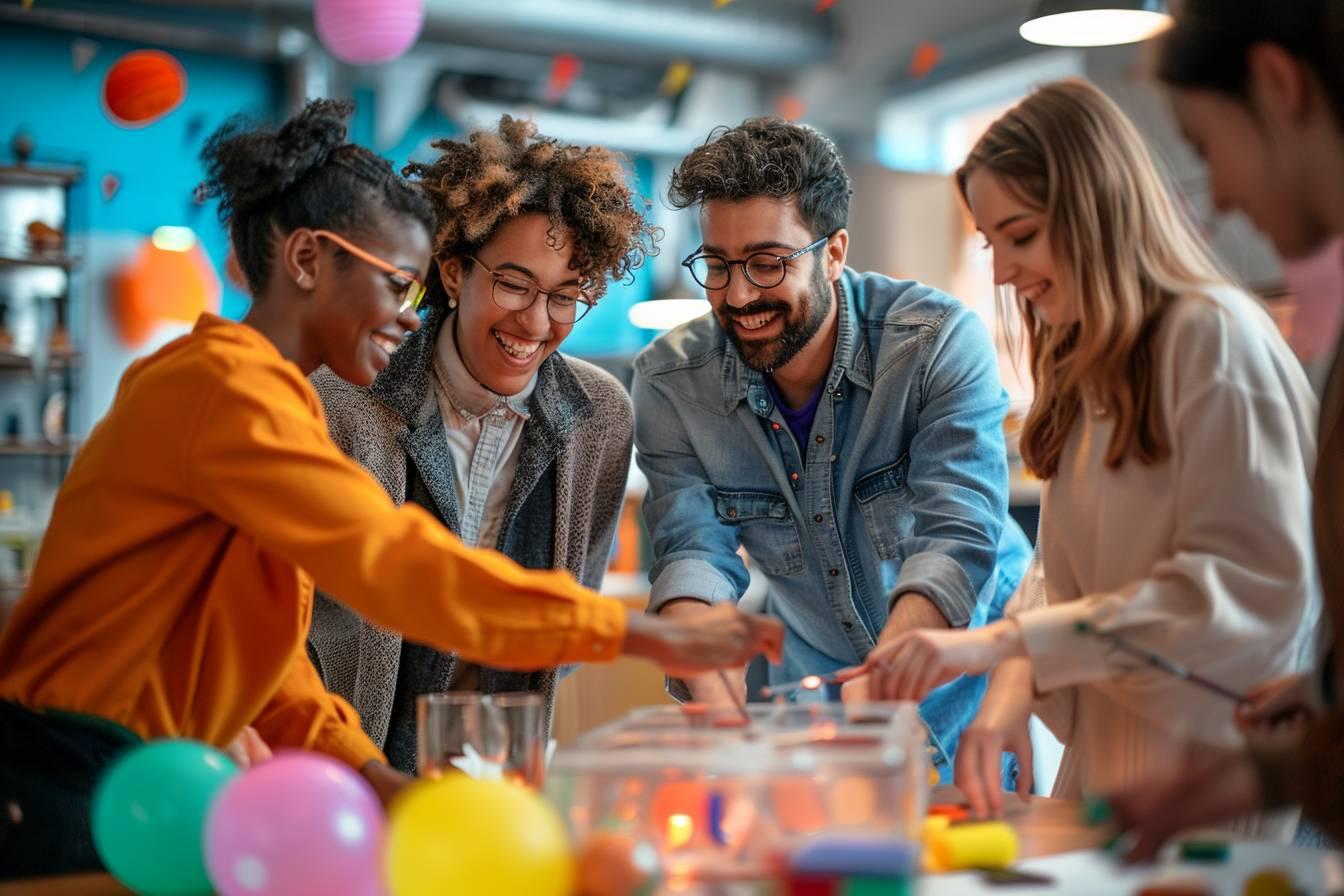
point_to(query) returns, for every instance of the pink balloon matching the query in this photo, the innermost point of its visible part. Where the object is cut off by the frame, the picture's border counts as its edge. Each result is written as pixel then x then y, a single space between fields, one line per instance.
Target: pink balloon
pixel 365 32
pixel 297 825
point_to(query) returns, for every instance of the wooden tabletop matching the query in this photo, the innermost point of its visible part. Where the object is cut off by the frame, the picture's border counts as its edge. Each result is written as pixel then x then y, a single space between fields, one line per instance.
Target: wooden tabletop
pixel 1044 827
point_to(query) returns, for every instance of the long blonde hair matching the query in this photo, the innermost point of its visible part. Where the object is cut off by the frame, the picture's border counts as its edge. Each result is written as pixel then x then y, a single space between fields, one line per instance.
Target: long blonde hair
pixel 1124 250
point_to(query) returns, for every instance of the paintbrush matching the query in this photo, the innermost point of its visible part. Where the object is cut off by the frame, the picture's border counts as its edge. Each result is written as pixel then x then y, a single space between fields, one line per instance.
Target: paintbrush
pixel 737 701
pixel 1159 662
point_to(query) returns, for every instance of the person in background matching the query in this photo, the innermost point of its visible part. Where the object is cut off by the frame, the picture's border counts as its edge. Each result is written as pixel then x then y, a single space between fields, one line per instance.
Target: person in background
pixel 478 418
pixel 174 587
pixel 845 428
pixel 1174 431
pixel 1258 89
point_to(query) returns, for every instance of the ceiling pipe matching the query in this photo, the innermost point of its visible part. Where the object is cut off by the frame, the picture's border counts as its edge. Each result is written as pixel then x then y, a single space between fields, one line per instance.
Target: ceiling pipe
pixel 776 37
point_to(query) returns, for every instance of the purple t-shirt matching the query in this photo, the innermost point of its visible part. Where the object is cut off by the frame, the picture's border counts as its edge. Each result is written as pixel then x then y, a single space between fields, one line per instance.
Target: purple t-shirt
pixel 800 420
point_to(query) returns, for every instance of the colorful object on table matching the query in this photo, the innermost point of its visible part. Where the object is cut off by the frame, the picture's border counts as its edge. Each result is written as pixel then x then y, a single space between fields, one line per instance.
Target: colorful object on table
pixel 565 68
pixel 950 811
pixel 148 813
pixel 614 864
pixel 806 683
pixel 82 51
pixel 823 5
pixel 368 32
pixel 989 844
pixel 866 856
pixel 486 838
pixel 675 78
pixel 841 885
pixel 1096 810
pixel 1269 882
pixel 1175 887
pixel 1162 663
pixel 142 87
pixel 1205 850
pixel 300 824
pixel 925 59
pixel 167 279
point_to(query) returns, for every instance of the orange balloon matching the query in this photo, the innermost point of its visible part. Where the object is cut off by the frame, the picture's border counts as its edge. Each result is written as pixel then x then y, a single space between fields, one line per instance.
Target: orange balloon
pixel 142 87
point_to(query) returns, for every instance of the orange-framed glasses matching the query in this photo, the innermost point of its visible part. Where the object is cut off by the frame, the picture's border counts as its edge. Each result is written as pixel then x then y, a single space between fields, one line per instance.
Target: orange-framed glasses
pixel 412 289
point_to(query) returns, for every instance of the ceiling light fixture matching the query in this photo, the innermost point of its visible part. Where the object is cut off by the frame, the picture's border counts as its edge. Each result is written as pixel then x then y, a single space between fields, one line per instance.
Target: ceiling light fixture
pixel 1094 23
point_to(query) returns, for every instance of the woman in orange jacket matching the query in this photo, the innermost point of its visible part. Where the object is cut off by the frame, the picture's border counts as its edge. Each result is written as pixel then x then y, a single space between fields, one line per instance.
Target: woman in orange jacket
pixel 173 592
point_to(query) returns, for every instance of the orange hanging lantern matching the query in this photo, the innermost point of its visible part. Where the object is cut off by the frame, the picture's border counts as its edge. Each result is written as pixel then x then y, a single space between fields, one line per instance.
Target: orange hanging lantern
pixel 169 279
pixel 142 87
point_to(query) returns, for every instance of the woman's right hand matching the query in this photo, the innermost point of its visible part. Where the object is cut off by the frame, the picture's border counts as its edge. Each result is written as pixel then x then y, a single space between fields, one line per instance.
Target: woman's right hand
pixel 1000 726
pixel 690 638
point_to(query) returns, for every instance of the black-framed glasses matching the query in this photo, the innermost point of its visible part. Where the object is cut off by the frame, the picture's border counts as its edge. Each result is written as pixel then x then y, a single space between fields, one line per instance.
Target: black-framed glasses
pixel 514 292
pixel 762 269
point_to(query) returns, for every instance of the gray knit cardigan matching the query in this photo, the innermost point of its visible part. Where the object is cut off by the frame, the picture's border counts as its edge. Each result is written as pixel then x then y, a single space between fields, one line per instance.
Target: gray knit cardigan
pixel 562 511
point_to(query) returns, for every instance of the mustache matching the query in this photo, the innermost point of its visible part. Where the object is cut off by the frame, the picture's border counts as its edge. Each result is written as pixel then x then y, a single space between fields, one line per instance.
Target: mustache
pixel 760 306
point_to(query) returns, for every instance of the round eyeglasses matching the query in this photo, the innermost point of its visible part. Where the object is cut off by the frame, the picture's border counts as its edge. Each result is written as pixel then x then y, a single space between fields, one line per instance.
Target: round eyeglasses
pixel 763 270
pixel 514 292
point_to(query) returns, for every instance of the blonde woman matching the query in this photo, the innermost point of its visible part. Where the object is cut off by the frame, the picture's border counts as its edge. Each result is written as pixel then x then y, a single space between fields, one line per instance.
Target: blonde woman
pixel 1174 431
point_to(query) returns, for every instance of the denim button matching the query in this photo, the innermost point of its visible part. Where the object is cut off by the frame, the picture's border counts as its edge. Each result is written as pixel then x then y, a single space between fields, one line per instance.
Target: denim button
pixel 732 511
pixel 848 626
pixel 817 518
pixel 821 440
pixel 834 572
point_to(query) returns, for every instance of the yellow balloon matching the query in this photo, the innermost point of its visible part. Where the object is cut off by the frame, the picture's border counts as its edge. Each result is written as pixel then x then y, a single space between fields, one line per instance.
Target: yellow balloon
pixel 457 835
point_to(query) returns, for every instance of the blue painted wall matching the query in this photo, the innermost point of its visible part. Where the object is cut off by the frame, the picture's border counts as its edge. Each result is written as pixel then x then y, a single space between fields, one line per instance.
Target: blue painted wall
pixel 158 165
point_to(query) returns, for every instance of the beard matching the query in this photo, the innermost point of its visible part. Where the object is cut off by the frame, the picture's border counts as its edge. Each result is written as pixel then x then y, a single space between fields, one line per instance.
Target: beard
pixel 801 322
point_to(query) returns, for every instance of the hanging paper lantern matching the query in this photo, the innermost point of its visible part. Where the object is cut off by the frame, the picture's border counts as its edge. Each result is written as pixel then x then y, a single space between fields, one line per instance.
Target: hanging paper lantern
pixel 142 87
pixel 365 32
pixel 170 278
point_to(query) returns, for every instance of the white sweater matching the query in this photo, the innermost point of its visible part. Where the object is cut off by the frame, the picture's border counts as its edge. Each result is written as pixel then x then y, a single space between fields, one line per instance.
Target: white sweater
pixel 1205 559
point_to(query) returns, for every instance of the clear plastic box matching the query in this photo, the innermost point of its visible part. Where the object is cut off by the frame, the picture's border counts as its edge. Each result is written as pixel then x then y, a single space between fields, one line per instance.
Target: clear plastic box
pixel 723 800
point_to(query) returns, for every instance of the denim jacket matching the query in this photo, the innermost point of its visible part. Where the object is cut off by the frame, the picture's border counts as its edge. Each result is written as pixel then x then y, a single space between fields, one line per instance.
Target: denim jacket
pixel 902 485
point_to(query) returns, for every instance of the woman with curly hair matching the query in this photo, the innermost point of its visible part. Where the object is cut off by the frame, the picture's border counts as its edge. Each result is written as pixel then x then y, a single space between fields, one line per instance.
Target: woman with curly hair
pixel 173 592
pixel 478 418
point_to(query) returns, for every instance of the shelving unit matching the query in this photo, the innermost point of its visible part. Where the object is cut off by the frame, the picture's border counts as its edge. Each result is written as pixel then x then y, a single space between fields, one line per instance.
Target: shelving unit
pixel 40 357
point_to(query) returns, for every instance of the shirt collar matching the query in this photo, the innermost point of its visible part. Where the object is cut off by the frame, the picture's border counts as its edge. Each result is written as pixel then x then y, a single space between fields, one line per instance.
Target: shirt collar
pixel 469 397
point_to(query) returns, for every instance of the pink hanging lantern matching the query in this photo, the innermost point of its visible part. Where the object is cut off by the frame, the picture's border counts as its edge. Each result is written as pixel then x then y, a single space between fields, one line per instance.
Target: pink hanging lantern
pixel 366 32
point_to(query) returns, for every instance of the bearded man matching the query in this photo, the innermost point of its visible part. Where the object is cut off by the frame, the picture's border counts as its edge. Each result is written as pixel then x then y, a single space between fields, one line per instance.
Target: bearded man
pixel 845 428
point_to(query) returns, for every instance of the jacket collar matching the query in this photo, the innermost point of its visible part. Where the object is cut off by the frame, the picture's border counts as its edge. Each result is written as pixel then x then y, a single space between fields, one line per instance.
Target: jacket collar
pixel 851 360
pixel 558 406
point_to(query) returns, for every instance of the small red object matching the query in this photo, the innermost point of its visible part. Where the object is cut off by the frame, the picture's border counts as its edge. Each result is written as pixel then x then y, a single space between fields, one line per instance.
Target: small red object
pixel 814 885
pixel 565 68
pixel 950 811
pixel 823 5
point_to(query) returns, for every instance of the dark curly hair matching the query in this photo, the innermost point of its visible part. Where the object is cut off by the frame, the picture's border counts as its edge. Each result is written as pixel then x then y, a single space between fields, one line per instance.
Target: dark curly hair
pixel 497 175
pixel 768 157
pixel 305 174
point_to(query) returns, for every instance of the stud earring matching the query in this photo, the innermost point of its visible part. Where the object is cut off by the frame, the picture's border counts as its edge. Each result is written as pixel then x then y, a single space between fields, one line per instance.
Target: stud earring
pixel 303 281
pixel 452 303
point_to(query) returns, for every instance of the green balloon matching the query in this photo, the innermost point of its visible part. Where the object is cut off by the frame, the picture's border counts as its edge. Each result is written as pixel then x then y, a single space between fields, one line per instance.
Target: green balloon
pixel 149 812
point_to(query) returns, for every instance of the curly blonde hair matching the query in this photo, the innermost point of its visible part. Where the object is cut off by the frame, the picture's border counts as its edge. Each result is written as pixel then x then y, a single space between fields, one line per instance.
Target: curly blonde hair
pixel 496 175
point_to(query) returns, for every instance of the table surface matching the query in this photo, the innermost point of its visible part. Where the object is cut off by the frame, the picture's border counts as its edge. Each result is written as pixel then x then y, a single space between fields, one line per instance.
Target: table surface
pixel 1044 827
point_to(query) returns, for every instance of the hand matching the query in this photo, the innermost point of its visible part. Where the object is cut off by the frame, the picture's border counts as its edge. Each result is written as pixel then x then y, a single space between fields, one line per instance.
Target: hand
pixel 688 638
pixel 910 665
pixel 1210 785
pixel 387 782
pixel 247 749
pixel 1000 726
pixel 857 690
pixel 1291 699
pixel 710 689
